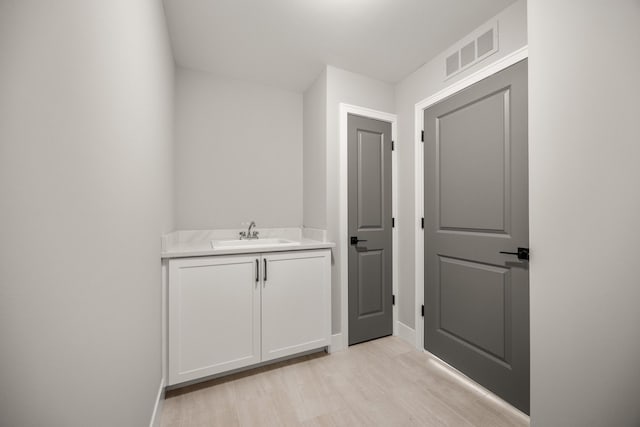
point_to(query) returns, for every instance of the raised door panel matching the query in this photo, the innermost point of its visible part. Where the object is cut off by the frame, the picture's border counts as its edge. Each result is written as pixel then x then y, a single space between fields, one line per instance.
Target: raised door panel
pixel 370 167
pixel 295 303
pixel 214 316
pixel 473 305
pixel 472 144
pixel 370 284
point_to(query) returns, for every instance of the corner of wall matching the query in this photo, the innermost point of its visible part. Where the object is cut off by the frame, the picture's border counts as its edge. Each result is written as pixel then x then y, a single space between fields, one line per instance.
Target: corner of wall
pixel 314 153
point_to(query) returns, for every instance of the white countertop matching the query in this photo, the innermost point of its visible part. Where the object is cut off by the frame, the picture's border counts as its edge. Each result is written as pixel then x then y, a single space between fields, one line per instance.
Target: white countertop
pixel 180 244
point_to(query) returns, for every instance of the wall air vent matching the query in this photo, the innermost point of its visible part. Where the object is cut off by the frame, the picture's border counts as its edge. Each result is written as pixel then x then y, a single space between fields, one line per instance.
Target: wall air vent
pixel 472 49
pixel 453 63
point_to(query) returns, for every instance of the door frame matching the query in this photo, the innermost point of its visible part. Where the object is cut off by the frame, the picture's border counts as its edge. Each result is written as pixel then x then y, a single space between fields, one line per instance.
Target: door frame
pixel 343 232
pixel 504 62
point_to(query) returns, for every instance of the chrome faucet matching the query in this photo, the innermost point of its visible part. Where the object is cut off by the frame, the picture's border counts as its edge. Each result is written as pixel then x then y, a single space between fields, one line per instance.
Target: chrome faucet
pixel 248 234
pixel 252 225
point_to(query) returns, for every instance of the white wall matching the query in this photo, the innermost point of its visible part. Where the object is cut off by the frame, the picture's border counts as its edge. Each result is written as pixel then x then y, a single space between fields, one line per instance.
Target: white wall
pixel 584 154
pixel 85 193
pixel 238 154
pixel 355 89
pixel 315 154
pixel 424 82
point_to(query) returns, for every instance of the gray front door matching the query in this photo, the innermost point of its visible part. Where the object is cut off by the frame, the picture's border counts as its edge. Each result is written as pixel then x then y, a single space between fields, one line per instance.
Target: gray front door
pixel 476 206
pixel 370 286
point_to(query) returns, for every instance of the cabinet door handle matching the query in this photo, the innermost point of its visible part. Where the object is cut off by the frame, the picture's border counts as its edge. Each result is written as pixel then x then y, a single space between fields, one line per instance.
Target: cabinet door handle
pixel 257 270
pixel 265 270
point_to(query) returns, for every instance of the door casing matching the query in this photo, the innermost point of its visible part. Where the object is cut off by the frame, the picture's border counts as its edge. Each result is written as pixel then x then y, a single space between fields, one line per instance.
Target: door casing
pixel 342 340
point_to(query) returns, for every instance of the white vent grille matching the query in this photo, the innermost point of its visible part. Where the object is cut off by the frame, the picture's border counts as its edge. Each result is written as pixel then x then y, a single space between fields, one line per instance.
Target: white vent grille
pixel 453 63
pixel 472 49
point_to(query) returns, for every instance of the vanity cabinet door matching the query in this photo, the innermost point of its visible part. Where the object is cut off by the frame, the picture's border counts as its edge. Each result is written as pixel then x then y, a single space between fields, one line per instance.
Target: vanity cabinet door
pixel 214 315
pixel 296 295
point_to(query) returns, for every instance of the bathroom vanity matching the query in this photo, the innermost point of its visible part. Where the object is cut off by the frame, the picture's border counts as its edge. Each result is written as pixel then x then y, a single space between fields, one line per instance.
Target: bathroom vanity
pixel 229 306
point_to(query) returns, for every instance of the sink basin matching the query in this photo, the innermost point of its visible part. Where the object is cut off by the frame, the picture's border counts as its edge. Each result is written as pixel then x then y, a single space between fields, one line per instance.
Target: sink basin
pixel 251 243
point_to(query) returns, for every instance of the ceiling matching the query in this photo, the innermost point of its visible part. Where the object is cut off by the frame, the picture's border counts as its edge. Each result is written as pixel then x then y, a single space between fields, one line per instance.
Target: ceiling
pixel 286 43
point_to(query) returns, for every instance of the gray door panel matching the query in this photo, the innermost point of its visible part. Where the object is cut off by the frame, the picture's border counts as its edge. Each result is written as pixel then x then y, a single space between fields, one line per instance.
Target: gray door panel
pixel 370 283
pixel 476 205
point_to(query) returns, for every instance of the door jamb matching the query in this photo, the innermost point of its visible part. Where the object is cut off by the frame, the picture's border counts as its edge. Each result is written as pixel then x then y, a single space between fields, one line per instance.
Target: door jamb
pixel 499 65
pixel 343 234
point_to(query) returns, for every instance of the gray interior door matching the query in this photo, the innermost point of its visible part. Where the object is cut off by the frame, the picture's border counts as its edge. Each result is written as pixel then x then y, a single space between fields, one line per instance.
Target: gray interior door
pixel 476 206
pixel 370 283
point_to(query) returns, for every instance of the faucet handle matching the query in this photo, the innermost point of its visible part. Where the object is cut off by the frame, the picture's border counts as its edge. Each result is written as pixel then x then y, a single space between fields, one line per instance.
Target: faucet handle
pixel 242 234
pixel 255 234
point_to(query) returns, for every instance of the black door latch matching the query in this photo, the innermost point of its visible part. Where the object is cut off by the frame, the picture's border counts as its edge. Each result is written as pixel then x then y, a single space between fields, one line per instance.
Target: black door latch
pixel 355 240
pixel 522 254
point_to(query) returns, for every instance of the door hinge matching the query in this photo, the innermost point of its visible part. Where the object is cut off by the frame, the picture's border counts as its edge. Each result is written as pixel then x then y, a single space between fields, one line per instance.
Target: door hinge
pixel 393 223
pixel 393 145
pixel 422 223
pixel 422 310
pixel 422 137
pixel 393 300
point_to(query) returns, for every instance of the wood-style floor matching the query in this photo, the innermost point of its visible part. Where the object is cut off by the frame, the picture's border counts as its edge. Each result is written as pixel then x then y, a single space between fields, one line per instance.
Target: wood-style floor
pixel 384 382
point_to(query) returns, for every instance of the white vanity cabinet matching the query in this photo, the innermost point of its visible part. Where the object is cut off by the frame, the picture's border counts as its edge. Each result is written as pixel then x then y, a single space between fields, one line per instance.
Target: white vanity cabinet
pixel 228 312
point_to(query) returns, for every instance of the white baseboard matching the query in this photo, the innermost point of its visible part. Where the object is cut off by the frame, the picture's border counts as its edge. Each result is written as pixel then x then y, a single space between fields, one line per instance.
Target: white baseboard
pixel 157 408
pixel 337 343
pixel 406 333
